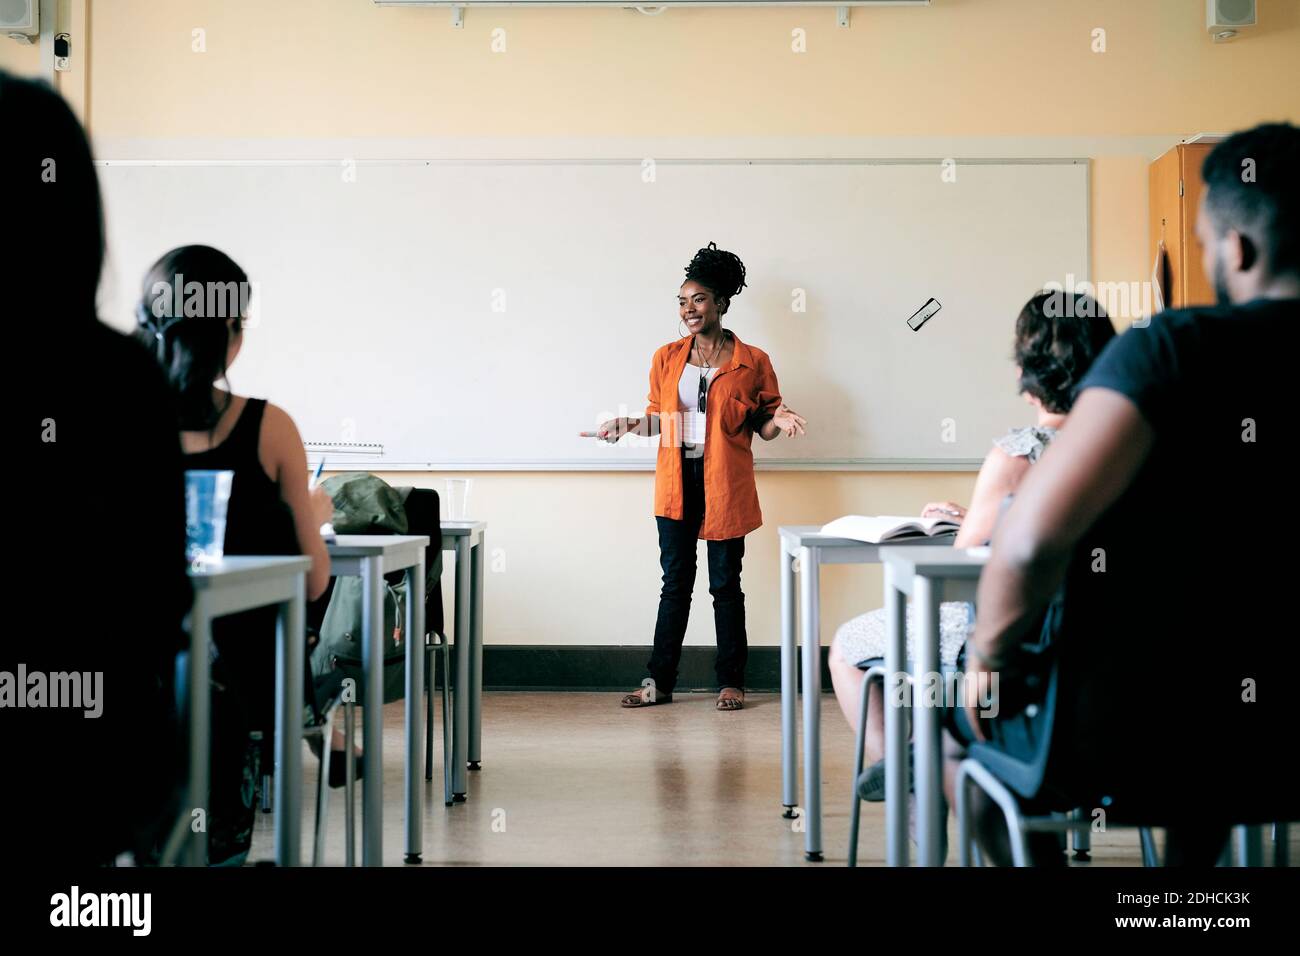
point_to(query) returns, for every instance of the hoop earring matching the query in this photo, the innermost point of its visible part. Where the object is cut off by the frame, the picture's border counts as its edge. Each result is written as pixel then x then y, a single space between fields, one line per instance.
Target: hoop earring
pixel 684 332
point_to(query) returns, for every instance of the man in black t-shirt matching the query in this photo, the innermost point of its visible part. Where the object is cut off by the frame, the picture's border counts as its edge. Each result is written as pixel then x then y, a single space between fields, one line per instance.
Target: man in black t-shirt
pixel 1160 522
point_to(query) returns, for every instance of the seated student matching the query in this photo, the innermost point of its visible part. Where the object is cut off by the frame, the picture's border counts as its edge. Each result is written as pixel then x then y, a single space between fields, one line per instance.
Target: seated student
pixel 96 518
pixel 191 314
pixel 1161 514
pixel 1053 348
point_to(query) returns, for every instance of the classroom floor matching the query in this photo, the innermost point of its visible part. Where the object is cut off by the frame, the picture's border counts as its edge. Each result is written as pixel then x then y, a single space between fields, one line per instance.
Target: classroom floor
pixel 570 779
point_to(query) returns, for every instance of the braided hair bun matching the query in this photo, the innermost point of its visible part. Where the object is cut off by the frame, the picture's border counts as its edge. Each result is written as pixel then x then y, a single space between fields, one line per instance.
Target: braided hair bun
pixel 719 271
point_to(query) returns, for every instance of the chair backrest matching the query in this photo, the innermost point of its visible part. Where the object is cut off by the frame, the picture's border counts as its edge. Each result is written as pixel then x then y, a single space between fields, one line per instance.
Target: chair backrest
pixel 422 508
pixel 422 517
pixel 1021 758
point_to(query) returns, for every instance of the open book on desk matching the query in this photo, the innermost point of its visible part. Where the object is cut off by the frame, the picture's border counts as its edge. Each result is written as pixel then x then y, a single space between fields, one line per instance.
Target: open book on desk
pixel 881 528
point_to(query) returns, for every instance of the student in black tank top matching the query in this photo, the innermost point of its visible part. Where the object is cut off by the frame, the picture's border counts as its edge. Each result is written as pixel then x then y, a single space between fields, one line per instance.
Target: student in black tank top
pixel 257 522
pixel 193 304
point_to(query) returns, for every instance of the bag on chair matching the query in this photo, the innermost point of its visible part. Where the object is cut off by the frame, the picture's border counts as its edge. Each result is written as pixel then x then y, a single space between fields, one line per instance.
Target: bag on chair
pixel 364 504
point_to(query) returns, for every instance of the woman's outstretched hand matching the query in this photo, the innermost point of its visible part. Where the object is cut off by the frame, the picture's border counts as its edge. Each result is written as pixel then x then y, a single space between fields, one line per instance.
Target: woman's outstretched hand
pixel 789 421
pixel 614 429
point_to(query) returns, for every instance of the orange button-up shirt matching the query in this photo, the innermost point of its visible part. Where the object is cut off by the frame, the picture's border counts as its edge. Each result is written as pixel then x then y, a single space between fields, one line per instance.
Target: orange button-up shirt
pixel 740 398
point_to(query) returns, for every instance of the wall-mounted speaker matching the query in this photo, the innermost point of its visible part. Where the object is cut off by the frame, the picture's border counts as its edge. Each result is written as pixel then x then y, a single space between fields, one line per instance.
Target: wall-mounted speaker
pixel 20 19
pixel 1224 17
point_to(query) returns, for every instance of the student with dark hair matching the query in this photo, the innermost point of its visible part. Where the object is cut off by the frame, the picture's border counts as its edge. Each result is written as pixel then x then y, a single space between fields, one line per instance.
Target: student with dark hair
pixel 192 309
pixel 710 393
pixel 1156 516
pixel 98 516
pixel 1056 340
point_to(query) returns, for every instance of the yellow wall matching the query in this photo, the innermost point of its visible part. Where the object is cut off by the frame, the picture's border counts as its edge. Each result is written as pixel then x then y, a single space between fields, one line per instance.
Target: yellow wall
pixel 959 67
pixel 963 77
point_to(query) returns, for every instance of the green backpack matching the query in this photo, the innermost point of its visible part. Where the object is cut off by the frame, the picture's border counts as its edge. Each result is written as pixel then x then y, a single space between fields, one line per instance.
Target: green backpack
pixel 364 504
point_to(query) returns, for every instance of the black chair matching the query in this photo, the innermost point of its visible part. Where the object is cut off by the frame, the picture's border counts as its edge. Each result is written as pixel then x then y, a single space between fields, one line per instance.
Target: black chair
pixel 1007 781
pixel 319 727
pixel 422 516
pixel 422 507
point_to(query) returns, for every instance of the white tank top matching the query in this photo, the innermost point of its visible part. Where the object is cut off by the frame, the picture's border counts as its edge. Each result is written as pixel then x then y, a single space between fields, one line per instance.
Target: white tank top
pixel 688 401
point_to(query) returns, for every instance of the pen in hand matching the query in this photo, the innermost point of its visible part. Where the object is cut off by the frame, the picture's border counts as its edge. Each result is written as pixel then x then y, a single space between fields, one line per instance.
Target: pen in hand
pixel 325 501
pixel 943 508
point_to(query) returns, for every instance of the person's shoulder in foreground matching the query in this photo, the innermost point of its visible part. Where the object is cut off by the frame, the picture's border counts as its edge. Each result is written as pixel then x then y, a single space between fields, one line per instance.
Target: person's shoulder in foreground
pixel 1193 341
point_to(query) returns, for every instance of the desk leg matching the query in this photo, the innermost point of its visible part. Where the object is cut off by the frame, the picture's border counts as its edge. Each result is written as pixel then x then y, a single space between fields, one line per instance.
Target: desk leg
pixel 810 578
pixel 476 656
pixel 1250 849
pixel 929 766
pixel 464 673
pixel 372 731
pixel 200 727
pixel 789 692
pixel 290 641
pixel 415 637
pixel 896 849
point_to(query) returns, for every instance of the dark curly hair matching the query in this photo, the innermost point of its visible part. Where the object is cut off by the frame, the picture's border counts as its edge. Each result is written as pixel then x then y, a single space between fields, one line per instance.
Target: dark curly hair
pixel 1058 336
pixel 719 271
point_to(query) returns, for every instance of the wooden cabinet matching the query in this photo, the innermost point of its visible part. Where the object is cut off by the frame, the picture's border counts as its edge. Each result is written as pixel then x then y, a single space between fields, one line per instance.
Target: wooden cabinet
pixel 1175 190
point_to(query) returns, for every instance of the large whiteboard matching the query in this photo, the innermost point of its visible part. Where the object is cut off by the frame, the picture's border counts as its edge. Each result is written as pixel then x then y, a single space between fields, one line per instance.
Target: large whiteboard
pixel 479 314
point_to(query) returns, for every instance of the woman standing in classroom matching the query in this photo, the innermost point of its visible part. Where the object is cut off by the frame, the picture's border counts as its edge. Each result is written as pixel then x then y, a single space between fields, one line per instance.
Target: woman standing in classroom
pixel 710 393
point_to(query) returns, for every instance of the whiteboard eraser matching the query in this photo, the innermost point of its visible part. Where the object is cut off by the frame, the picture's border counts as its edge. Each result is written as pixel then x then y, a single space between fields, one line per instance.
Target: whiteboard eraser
pixel 923 314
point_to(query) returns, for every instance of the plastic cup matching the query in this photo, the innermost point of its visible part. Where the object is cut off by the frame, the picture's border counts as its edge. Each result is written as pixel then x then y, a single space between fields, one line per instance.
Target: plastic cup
pixel 458 499
pixel 207 494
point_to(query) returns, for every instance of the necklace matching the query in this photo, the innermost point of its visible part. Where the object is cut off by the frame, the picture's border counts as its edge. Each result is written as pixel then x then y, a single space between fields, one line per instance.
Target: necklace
pixel 708 362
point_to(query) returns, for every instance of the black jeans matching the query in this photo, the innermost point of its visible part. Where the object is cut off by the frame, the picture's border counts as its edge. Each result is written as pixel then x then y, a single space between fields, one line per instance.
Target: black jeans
pixel 677 549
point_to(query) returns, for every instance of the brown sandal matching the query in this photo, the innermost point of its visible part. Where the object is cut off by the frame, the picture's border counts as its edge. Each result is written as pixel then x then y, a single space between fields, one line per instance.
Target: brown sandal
pixel 647 696
pixel 731 703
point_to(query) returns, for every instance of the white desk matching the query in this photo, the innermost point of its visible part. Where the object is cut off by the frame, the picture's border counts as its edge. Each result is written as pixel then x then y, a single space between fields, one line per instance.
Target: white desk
pixel 813 550
pixel 465 539
pixel 242 584
pixel 929 576
pixel 372 556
